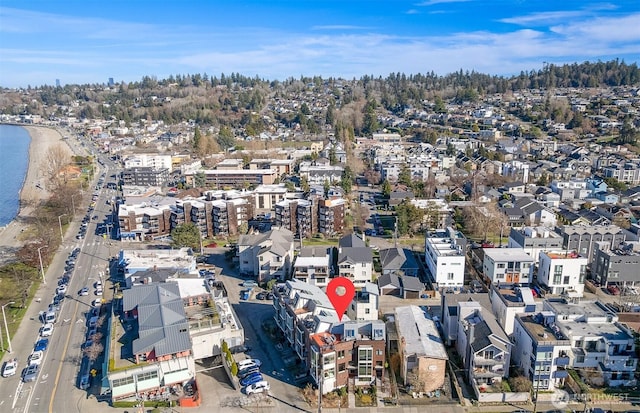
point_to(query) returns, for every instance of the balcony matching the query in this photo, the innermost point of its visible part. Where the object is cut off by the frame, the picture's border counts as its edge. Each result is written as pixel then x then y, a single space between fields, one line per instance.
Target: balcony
pixel 562 361
pixel 481 361
pixel 560 374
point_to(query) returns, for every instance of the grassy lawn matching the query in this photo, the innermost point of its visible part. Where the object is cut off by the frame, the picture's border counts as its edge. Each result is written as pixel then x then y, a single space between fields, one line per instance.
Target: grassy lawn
pixel 312 242
pixel 15 314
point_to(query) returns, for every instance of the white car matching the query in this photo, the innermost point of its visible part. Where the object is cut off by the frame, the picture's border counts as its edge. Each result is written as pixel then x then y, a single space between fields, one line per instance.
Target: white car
pixel 36 358
pixel 97 302
pixel 258 387
pixel 46 330
pixel 61 289
pixel 98 291
pixel 10 368
pixel 243 364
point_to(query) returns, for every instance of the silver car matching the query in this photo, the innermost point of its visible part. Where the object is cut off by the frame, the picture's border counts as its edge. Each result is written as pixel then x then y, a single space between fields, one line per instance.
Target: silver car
pixel 31 373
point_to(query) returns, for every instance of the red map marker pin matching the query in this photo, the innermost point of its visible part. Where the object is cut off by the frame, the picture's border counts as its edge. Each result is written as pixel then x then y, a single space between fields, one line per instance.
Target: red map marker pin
pixel 340 292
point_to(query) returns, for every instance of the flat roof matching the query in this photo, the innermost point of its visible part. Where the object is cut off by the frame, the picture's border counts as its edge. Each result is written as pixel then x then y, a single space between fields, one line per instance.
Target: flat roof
pixel 507 254
pixel 540 332
pixel 419 332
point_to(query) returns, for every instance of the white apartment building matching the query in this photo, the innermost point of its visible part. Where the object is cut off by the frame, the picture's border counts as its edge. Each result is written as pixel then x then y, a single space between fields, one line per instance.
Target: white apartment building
pixel 510 265
pixel 445 258
pixel 508 301
pixel 599 342
pixel 563 272
pixel 534 240
pixel 154 161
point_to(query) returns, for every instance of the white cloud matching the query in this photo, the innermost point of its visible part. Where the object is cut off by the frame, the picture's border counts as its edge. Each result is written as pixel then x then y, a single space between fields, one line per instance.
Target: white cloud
pixel 434 2
pixel 543 18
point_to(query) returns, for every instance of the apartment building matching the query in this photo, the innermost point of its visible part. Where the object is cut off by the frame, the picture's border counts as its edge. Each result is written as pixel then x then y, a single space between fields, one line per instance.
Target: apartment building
pixel 144 160
pixel 313 266
pixel 351 351
pixel 331 214
pixel 562 272
pixel 145 176
pixel 449 313
pixel 445 258
pixel 534 239
pixel 144 222
pixel 266 255
pixel 599 342
pixel 619 265
pixel 507 265
pixel 541 350
pixel 583 238
pixel 232 178
pixel 160 351
pixel 302 310
pixel 229 215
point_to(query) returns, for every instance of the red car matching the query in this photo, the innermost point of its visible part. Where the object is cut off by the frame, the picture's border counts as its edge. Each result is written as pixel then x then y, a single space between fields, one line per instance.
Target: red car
pixel 613 289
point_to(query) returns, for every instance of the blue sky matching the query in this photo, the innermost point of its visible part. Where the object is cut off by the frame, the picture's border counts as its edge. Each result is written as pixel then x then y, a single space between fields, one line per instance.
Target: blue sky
pixel 90 41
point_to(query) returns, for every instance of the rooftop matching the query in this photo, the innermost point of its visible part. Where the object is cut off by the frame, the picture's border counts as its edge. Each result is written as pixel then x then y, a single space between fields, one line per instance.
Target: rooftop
pixel 507 254
pixel 562 255
pixel 419 333
pixel 542 333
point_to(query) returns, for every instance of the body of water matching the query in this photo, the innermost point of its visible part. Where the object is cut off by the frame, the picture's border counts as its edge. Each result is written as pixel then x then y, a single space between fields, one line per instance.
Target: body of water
pixel 14 159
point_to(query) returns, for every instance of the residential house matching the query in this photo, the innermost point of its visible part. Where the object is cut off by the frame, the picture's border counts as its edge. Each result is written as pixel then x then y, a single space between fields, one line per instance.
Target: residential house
pixel 399 261
pixel 313 266
pixel 355 260
pixel 364 305
pixel 266 255
pixel 507 265
pixel 509 300
pixel 423 357
pixel 449 313
pixel 562 272
pixel 445 258
pixel 483 346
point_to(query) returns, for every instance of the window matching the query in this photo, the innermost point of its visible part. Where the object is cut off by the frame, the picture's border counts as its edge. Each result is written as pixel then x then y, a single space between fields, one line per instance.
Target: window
pixel 340 354
pixel 122 382
pixel 449 276
pixel 342 367
pixel 367 310
pixel 147 376
pixel 566 279
pixel 557 278
pixel 500 265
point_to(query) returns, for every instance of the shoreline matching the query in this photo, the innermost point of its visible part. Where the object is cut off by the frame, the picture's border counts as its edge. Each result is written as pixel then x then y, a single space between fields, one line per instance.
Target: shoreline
pixel 32 192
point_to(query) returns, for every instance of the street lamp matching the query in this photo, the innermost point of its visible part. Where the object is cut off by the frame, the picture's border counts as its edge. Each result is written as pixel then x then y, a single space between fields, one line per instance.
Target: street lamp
pixel 6 327
pixel 41 267
pixel 60 224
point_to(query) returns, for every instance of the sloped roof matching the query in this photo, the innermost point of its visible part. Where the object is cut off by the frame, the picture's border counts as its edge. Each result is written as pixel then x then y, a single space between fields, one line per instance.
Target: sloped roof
pixel 162 323
pixel 411 283
pixel 392 258
pixel 355 255
pixel 351 241
pixel 389 280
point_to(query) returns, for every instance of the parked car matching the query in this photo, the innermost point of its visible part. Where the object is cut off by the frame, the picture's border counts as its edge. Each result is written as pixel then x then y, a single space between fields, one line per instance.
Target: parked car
pixel 84 291
pixel 261 295
pixel 10 368
pixel 251 379
pixel 239 349
pixel 613 289
pixel 248 372
pixel 30 373
pixel 62 289
pixel 46 330
pixel 98 291
pixel 97 302
pixel 258 387
pixel 36 357
pixel 41 345
pixel 249 284
pixel 243 364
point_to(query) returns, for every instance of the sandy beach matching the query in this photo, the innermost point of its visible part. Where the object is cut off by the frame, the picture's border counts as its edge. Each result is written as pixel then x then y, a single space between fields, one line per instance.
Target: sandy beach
pixel 33 192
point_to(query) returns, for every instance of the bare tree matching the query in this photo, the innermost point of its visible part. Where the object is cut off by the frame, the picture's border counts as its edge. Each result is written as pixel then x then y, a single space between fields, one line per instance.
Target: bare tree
pixel 483 220
pixel 56 158
pixel 93 351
